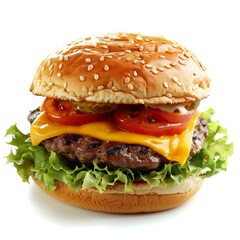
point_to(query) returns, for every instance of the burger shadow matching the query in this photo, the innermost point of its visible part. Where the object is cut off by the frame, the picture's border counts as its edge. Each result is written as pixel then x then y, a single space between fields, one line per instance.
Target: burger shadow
pixel 51 209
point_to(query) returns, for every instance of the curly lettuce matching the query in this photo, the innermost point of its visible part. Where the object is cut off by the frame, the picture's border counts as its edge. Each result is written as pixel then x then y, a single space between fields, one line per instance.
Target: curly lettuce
pixel 48 167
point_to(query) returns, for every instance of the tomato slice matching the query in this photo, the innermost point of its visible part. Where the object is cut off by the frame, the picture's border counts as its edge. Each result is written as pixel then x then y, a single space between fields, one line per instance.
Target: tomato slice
pixel 171 117
pixel 141 120
pixel 62 112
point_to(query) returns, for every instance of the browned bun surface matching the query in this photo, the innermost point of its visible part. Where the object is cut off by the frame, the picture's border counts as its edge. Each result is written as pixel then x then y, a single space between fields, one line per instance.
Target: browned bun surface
pixel 114 200
pixel 122 68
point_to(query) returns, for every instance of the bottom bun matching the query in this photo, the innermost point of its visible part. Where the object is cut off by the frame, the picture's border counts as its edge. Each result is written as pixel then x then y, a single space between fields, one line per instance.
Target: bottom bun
pixel 143 198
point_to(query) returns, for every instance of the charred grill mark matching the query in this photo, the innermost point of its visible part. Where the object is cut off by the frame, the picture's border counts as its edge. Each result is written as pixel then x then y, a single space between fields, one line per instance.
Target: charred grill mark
pixel 94 144
pixel 144 149
pixel 69 139
pixel 114 151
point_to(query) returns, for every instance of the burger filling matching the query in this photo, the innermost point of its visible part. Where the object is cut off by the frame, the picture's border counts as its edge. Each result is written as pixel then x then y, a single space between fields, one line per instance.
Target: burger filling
pixel 84 162
pixel 86 150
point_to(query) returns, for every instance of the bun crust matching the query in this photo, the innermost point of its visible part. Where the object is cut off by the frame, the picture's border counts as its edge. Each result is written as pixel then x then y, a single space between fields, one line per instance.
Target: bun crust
pixel 122 68
pixel 142 199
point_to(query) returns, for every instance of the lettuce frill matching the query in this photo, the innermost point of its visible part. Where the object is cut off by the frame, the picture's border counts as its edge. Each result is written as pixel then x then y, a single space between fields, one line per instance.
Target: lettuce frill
pixel 48 167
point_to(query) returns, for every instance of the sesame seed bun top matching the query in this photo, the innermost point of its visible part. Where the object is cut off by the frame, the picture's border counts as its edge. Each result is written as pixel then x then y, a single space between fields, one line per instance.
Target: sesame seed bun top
pixel 122 68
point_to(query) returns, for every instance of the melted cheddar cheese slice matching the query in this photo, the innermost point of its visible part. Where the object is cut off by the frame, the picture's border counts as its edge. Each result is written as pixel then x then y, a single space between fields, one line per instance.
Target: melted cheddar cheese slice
pixel 175 148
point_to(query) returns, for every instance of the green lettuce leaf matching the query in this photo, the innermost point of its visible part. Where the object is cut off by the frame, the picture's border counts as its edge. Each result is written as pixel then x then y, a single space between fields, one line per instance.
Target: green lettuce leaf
pixel 48 167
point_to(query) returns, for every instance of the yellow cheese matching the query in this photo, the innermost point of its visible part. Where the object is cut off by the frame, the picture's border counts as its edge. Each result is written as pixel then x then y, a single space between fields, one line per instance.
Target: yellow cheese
pixel 175 148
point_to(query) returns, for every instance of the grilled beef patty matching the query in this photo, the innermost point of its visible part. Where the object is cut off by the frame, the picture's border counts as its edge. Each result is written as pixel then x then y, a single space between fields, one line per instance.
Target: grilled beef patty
pixel 87 150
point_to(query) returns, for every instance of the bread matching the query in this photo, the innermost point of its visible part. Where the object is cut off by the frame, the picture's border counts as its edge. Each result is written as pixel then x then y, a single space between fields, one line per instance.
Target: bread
pixel 114 200
pixel 122 68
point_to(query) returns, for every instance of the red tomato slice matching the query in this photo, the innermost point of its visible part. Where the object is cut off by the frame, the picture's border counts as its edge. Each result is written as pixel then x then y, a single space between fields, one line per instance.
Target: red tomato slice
pixel 141 120
pixel 171 117
pixel 62 112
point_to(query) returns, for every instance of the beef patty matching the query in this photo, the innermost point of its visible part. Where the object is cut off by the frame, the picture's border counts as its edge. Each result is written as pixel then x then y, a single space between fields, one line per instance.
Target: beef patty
pixel 86 150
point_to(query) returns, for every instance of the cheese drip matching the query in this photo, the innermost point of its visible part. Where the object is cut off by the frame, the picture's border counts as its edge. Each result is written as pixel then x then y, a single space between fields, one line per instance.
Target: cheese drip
pixel 174 148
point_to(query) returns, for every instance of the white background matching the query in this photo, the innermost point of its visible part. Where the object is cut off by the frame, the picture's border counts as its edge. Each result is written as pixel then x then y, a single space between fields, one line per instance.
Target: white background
pixel 29 30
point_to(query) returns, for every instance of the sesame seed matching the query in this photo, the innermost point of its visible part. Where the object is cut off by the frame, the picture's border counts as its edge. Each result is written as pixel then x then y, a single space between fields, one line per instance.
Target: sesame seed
pixel 173 64
pixel 182 57
pixel 141 101
pixel 114 88
pixel 187 54
pixel 162 57
pixel 90 67
pixel 51 72
pixel 96 76
pixel 167 66
pixel 161 69
pixel 120 44
pixel 99 88
pixel 154 71
pixel 175 79
pixel 87 49
pixel 175 45
pixel 165 84
pixel 128 51
pixel 128 59
pixel 169 51
pixel 169 95
pixel 104 46
pixel 135 73
pixel 65 85
pixel 88 60
pixel 183 48
pixel 60 58
pixel 121 54
pixel 135 61
pixel 60 66
pixel 66 58
pixel 181 62
pixel 42 68
pixel 203 67
pixel 101 58
pixel 106 68
pixel 48 62
pixel 142 62
pixel 110 85
pixel 148 66
pixel 127 79
pixel 130 86
pixel 141 48
pixel 82 78
pixel 50 68
pixel 59 74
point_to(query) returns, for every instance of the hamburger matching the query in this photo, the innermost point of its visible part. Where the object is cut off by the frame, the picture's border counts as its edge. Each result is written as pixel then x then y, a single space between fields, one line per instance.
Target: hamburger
pixel 119 128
